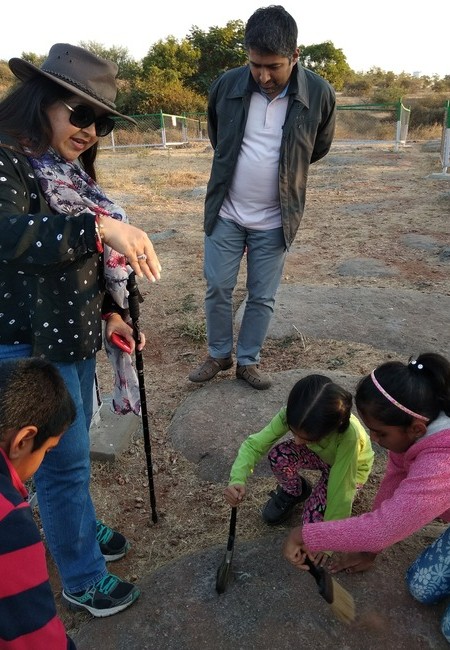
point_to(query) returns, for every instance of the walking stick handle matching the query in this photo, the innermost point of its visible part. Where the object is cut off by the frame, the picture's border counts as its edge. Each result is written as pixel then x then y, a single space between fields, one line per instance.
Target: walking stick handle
pixel 134 298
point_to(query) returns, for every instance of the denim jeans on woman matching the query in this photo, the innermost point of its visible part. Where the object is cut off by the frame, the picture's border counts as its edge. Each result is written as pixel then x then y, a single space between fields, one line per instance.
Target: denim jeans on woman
pixel 62 484
pixel 224 249
pixel 428 579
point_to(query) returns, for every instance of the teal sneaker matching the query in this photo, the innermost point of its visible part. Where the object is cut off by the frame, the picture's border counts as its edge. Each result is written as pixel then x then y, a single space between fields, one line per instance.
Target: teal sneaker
pixel 106 597
pixel 113 544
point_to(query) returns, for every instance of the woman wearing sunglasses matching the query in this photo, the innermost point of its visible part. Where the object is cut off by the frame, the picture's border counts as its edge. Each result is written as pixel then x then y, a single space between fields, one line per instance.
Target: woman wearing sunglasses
pixel 66 250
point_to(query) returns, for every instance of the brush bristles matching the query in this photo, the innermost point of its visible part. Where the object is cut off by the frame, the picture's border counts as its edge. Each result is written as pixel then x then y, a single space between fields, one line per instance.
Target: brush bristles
pixel 343 605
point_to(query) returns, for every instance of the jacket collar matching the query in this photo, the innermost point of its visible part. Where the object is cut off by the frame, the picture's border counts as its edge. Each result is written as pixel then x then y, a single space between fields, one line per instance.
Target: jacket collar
pixel 298 85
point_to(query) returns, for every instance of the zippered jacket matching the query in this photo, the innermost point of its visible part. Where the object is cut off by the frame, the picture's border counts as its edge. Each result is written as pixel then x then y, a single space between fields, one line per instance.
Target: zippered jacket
pixel 349 455
pixel 307 136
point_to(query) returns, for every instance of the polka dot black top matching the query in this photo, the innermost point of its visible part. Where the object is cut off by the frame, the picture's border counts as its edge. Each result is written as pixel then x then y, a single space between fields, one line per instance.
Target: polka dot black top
pixel 51 279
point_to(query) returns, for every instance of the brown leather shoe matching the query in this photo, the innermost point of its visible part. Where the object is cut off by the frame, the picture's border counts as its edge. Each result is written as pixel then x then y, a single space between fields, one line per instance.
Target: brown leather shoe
pixel 209 369
pixel 253 376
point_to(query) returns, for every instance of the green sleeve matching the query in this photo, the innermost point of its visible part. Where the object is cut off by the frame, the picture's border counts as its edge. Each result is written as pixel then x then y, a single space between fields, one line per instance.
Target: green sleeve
pixel 353 451
pixel 255 446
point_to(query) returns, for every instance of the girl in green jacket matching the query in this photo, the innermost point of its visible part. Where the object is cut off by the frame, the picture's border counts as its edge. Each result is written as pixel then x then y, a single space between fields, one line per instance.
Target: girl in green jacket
pixel 325 436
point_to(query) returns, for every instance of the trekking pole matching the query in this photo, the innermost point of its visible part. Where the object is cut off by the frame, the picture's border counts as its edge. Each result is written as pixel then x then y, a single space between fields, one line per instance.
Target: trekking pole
pixel 134 298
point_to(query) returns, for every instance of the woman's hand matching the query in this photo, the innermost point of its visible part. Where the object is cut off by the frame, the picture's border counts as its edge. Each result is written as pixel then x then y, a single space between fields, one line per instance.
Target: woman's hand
pixel 234 494
pixel 116 324
pixel 351 562
pixel 134 243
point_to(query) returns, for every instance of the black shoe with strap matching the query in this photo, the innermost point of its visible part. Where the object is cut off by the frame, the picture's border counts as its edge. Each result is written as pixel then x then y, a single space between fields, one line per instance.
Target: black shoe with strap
pixel 281 504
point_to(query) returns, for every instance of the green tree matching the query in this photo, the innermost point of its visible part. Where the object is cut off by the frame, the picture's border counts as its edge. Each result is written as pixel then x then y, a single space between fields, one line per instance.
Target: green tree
pixel 220 48
pixel 328 61
pixel 6 78
pixel 179 57
pixel 129 69
pixel 160 91
pixel 358 86
pixel 35 59
pixel 441 85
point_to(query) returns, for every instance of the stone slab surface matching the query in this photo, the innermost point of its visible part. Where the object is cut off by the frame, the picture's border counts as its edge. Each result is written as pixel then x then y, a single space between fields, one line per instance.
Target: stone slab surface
pixel 110 433
pixel 213 421
pixel 268 605
pixel 404 321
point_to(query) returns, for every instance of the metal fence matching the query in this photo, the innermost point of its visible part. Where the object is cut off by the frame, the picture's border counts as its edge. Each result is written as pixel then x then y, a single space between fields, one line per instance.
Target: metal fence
pixel 157 130
pixel 445 140
pixel 383 123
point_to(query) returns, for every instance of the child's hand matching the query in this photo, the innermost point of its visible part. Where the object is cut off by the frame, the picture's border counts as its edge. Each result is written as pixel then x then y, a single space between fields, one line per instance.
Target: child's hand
pixel 293 549
pixel 234 494
pixel 351 562
pixel 320 559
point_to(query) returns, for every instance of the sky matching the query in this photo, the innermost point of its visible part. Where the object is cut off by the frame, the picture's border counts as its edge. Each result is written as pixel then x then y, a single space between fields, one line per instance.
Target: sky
pixel 393 35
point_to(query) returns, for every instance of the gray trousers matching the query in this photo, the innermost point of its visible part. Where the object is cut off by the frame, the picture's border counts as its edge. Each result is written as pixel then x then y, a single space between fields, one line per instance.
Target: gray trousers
pixel 265 253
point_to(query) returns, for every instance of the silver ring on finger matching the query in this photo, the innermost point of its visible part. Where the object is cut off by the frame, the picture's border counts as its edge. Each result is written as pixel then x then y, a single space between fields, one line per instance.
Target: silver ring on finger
pixel 142 257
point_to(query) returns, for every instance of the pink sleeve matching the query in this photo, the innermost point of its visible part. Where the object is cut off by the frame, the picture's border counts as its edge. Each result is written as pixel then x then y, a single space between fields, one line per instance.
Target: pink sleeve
pixel 419 498
pixel 393 476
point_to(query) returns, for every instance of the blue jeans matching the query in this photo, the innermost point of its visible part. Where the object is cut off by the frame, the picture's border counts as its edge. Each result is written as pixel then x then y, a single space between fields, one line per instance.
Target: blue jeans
pixel 224 249
pixel 62 484
pixel 428 578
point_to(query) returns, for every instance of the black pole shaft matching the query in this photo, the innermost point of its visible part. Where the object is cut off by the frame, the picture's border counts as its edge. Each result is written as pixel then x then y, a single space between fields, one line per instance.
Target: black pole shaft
pixel 133 304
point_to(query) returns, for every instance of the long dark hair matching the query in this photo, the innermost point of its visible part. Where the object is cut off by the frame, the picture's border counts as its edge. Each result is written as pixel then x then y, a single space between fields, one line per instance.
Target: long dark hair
pixel 23 116
pixel 318 406
pixel 421 385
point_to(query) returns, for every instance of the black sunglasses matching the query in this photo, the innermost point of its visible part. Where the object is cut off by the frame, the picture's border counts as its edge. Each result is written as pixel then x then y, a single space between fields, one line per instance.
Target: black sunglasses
pixel 82 116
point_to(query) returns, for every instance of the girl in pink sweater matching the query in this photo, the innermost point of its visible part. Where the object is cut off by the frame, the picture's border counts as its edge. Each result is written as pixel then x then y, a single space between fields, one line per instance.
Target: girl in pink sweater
pixel 406 408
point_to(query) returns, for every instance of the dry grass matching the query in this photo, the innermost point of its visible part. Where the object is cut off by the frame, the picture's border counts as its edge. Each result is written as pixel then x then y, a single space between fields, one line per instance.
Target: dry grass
pixel 157 188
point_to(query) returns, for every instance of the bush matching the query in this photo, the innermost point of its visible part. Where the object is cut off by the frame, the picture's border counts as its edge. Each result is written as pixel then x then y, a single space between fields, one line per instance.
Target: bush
pixel 427 111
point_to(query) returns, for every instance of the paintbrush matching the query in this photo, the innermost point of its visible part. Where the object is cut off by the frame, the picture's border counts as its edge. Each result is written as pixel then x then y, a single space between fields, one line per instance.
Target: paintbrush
pixel 224 570
pixel 341 601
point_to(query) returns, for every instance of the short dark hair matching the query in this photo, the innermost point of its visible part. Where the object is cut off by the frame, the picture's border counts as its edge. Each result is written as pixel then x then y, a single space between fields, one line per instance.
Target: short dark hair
pixel 32 392
pixel 318 406
pixel 23 117
pixel 271 30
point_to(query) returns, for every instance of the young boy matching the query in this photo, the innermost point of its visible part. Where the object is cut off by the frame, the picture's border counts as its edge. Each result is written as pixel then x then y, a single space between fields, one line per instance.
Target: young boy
pixel 35 410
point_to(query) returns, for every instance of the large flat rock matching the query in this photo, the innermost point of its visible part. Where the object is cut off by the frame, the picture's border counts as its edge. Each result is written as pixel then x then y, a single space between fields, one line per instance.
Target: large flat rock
pixel 404 321
pixel 209 426
pixel 268 605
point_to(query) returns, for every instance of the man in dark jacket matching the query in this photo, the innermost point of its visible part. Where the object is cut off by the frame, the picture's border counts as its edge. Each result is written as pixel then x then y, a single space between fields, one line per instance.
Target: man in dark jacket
pixel 267 121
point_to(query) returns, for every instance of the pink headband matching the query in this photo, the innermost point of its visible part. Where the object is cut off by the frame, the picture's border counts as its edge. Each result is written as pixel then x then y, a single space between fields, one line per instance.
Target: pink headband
pixel 394 401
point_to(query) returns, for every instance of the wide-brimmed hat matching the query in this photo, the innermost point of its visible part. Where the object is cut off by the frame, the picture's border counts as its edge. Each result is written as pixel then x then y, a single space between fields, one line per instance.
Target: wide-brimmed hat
pixel 78 70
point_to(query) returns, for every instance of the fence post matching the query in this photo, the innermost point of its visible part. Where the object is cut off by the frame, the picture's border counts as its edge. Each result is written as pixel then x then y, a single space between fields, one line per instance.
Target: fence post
pixel 445 142
pixel 403 115
pixel 163 130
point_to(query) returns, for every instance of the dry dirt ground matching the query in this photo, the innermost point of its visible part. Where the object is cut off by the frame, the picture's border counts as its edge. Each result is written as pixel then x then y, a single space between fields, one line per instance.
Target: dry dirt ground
pixel 361 202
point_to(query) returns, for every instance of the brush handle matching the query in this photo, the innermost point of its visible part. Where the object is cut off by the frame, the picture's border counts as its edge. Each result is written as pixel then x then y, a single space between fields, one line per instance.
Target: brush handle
pixel 232 531
pixel 323 579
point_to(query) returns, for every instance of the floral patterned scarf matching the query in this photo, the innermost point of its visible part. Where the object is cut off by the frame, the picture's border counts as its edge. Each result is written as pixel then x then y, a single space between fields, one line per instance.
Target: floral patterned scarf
pixel 68 189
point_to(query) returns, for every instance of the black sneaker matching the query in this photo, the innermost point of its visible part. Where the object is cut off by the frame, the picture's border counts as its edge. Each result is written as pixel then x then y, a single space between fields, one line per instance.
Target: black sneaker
pixel 108 596
pixel 113 545
pixel 281 504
